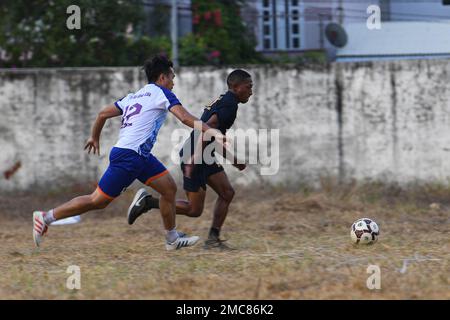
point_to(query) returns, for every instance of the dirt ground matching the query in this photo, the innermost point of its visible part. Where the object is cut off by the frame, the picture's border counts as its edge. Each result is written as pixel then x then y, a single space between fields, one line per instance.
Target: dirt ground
pixel 290 245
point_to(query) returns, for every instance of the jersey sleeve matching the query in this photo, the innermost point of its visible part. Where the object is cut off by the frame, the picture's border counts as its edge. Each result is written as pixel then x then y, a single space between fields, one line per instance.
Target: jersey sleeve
pixel 121 104
pixel 169 98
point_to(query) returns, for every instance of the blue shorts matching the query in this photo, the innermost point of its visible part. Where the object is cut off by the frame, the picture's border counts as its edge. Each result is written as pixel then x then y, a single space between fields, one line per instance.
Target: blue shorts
pixel 125 166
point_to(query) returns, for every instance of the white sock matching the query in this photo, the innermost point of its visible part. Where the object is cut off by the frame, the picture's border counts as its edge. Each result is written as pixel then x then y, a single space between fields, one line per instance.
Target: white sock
pixel 172 235
pixel 49 217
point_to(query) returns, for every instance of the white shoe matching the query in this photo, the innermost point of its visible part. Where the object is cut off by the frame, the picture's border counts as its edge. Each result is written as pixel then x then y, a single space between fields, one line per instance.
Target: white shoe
pixel 181 242
pixel 39 227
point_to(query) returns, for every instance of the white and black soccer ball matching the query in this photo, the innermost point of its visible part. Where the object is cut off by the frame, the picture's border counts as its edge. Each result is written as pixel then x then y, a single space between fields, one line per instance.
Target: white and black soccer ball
pixel 364 231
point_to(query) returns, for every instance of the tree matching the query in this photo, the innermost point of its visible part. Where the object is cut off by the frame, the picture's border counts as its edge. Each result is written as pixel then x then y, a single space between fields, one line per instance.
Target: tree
pixel 37 36
pixel 111 34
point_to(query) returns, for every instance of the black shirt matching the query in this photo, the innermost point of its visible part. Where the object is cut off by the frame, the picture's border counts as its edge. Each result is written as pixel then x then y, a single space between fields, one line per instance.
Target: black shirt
pixel 225 107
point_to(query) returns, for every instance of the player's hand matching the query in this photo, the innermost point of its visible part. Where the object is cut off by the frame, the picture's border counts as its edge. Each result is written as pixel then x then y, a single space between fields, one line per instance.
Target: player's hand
pixel 240 166
pixel 92 145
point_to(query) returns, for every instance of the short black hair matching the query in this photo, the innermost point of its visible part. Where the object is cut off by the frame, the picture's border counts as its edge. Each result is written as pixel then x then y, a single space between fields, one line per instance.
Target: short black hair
pixel 157 66
pixel 237 76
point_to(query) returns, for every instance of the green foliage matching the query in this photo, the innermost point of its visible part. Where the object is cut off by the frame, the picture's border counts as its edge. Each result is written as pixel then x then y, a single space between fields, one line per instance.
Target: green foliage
pixel 140 50
pixel 193 50
pixel 36 35
pixel 305 58
pixel 314 57
pixel 220 35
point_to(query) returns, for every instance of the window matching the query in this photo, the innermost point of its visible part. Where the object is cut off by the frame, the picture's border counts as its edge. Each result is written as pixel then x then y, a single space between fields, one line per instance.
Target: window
pixel 446 2
pixel 266 43
pixel 266 3
pixel 295 28
pixel 266 15
pixel 266 30
pixel 294 14
pixel 296 43
pixel 294 3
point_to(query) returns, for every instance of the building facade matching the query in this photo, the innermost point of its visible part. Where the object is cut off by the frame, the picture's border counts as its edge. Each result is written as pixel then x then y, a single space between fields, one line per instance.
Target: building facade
pixel 298 25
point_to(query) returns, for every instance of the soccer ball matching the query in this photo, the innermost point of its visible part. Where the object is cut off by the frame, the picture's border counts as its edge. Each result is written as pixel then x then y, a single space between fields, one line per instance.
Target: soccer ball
pixel 364 231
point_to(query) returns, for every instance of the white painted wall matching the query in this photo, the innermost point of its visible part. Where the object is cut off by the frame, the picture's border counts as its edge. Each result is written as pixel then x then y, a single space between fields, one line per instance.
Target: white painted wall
pixel 395 121
pixel 419 10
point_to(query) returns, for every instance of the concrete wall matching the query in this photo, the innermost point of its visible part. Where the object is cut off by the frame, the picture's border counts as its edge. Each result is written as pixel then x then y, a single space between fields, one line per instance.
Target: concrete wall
pixel 385 121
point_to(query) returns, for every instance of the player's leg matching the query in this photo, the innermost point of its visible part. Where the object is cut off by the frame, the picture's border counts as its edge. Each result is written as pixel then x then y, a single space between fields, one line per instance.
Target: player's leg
pixel 144 201
pixel 158 177
pixel 95 201
pixel 219 182
pixel 221 185
pixel 119 175
pixel 41 220
pixel 193 206
pixel 166 187
pixel 194 183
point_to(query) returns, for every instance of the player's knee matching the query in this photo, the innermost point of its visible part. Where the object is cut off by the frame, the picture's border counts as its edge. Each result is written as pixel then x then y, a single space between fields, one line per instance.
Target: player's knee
pixel 170 191
pixel 228 194
pixel 99 203
pixel 196 212
pixel 103 205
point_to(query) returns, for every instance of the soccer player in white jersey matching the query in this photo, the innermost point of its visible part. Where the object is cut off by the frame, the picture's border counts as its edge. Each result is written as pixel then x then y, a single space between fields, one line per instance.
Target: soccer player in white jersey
pixel 143 114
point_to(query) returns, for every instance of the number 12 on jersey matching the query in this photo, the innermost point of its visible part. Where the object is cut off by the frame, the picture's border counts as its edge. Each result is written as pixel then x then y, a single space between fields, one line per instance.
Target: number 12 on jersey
pixel 129 112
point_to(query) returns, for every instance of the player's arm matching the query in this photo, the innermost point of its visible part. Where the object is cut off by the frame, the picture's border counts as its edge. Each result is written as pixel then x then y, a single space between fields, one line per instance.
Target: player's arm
pixel 213 122
pixel 93 143
pixel 188 119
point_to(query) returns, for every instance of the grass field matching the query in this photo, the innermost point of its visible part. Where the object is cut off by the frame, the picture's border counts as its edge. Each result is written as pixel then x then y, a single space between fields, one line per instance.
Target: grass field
pixel 291 245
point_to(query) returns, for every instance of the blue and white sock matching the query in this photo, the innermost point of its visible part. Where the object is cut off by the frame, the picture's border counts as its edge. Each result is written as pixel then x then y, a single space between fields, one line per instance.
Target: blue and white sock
pixel 172 235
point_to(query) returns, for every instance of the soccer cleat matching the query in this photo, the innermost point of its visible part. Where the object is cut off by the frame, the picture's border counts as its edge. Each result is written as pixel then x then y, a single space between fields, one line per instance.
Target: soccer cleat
pixel 138 206
pixel 39 227
pixel 216 243
pixel 181 242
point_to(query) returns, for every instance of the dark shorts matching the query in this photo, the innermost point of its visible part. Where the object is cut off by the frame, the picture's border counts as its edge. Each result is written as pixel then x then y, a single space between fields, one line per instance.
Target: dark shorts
pixel 125 166
pixel 196 176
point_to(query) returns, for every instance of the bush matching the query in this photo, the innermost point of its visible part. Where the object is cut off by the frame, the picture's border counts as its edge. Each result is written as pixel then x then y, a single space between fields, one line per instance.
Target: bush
pixel 220 36
pixel 35 35
pixel 141 49
pixel 193 50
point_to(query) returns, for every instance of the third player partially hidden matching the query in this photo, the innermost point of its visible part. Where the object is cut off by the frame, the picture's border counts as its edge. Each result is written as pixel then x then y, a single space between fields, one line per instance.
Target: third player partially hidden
pixel 220 115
